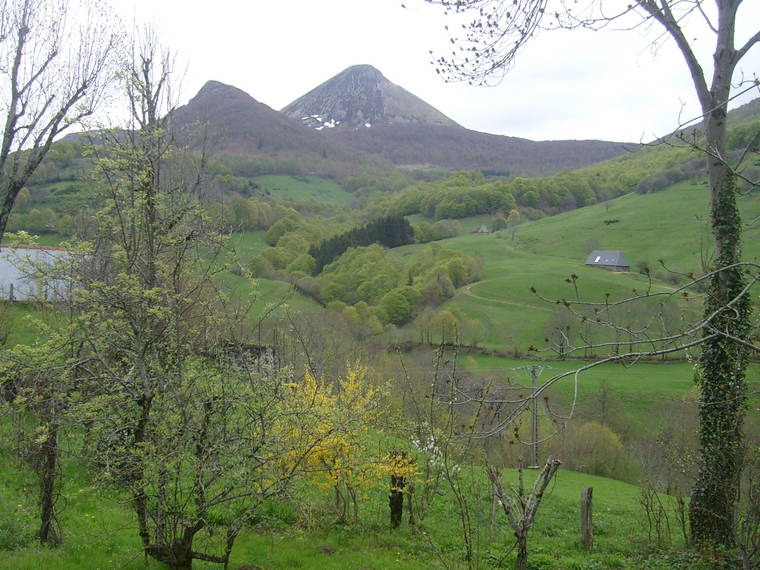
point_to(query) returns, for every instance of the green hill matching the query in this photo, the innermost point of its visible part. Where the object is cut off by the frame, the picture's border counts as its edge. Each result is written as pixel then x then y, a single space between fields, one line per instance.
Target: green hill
pixel 670 225
pixel 303 189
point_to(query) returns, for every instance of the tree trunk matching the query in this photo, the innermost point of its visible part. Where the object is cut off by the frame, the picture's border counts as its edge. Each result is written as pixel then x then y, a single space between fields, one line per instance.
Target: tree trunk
pixel 723 389
pixel 396 500
pixel 48 534
pixel 723 360
pixel 410 504
pixel 521 563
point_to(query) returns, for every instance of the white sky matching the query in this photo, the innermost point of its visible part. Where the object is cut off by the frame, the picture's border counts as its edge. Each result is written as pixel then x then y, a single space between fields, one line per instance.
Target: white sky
pixel 565 85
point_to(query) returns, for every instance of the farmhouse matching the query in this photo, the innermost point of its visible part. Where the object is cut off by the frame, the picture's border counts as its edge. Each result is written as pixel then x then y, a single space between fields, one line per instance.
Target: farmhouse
pixel 27 273
pixel 612 260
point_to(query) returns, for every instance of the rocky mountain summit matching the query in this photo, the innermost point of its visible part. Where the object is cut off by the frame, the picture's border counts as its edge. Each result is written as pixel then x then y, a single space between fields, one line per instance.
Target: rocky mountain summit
pixel 361 97
pixel 362 110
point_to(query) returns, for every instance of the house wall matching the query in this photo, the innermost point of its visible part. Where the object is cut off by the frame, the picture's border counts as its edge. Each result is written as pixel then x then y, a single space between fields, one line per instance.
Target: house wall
pixel 610 267
pixel 25 274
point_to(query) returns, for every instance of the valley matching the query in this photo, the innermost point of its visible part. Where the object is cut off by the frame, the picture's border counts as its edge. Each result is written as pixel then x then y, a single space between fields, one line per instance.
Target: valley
pixel 282 329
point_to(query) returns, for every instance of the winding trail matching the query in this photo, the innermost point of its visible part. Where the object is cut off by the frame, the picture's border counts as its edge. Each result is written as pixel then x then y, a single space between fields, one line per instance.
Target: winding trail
pixel 467 290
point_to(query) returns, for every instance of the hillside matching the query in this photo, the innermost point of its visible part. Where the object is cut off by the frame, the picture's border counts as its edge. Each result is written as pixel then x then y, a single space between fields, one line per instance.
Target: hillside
pixel 500 309
pixel 415 145
pixel 239 124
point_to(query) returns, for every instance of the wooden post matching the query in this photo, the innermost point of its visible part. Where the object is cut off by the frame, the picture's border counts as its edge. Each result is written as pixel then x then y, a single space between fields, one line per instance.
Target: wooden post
pixel 587 532
pixel 534 372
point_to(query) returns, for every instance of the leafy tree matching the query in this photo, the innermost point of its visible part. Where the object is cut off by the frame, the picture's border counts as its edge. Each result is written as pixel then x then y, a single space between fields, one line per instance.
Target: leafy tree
pixel 182 419
pixel 304 264
pixel 513 220
pixel 279 229
pixel 47 381
pixel 498 32
pixel 499 223
pixel 396 306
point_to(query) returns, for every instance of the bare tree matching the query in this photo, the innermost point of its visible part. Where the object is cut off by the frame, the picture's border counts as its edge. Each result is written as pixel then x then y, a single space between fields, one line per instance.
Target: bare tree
pixel 54 70
pixel 492 39
pixel 522 508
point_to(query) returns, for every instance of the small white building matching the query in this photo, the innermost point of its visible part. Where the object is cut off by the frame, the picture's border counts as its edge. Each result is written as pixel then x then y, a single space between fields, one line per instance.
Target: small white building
pixel 29 272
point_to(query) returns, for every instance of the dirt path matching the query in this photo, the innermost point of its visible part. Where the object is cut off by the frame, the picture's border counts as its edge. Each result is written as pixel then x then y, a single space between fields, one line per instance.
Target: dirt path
pixel 467 290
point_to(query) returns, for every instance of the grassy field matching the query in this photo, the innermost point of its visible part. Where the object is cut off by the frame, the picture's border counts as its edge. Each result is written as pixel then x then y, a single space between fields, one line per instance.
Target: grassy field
pixel 99 530
pixel 642 393
pixel 502 301
pixel 303 189
pixel 671 225
pixel 547 251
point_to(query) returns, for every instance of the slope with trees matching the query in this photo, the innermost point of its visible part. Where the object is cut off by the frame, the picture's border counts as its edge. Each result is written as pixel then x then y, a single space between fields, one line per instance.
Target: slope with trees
pixel 492 40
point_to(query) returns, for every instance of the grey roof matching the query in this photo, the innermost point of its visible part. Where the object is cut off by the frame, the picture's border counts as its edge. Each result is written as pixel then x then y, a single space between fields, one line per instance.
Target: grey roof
pixel 603 257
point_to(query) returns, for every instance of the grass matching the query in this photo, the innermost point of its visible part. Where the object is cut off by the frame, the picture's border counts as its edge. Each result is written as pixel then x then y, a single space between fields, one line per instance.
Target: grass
pixel 19 318
pixel 672 225
pixel 502 302
pixel 303 189
pixel 507 315
pixel 247 245
pixel 643 394
pixel 100 530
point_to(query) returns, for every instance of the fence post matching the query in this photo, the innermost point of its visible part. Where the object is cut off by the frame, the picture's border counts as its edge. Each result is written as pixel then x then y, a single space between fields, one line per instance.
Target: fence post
pixel 587 532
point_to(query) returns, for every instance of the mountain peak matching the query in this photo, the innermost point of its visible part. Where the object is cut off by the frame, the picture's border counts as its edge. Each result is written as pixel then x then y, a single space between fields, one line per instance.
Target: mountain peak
pixel 215 89
pixel 359 97
pixel 363 70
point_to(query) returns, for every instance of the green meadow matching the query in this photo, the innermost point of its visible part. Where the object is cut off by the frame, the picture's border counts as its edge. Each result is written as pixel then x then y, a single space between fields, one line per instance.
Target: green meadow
pixel 303 189
pixel 671 225
pixel 99 530
pixel 643 392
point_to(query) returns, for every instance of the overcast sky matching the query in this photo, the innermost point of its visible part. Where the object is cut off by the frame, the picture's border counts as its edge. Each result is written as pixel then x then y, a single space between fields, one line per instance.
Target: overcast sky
pixel 566 85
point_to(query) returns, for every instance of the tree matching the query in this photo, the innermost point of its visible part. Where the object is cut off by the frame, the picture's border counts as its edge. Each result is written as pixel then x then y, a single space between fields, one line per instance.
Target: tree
pixel 184 419
pixel 521 508
pixel 499 29
pixel 54 70
pixel 513 220
pixel 45 381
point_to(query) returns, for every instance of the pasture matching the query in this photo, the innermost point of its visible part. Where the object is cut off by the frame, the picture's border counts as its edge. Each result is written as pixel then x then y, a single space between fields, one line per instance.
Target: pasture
pixel 303 189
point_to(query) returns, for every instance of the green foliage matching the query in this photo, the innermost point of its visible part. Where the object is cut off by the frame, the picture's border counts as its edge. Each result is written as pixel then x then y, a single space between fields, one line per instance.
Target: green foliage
pixel 279 229
pixel 303 264
pixel 721 378
pixel 443 229
pixel 499 223
pixel 397 308
pixel 595 449
pixel 398 286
